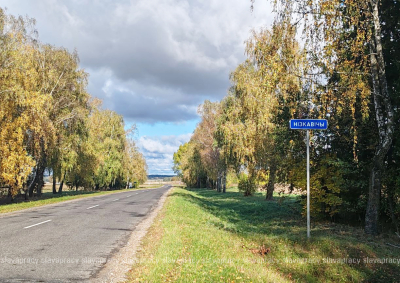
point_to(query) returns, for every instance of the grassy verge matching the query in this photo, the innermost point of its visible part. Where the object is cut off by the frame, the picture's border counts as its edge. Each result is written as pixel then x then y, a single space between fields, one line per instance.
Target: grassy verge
pixel 50 198
pixel 205 236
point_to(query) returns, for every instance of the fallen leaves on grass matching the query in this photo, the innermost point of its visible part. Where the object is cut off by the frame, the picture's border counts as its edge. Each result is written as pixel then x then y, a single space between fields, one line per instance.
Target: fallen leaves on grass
pixel 262 250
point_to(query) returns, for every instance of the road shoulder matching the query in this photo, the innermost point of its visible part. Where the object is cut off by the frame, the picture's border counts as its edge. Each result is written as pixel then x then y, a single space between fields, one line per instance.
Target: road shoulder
pixel 121 262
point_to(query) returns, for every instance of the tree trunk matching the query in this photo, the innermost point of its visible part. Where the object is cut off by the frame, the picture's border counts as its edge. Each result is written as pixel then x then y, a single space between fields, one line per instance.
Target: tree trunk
pixel 38 180
pixel 271 181
pixel 54 183
pixel 384 119
pixel 33 185
pixel 10 196
pixel 372 213
pixel 39 176
pixel 40 167
pixel 224 182
pixel 60 189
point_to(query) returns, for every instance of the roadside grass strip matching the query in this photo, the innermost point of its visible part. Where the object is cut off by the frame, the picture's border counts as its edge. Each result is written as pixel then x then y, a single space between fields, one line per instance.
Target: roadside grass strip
pixel 205 236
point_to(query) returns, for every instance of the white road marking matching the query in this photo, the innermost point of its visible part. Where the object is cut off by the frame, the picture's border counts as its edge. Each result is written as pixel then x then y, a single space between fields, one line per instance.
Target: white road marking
pixel 92 206
pixel 36 224
pixel 116 199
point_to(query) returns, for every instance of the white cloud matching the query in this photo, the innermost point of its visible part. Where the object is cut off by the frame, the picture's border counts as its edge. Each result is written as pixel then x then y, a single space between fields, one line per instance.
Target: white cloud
pixel 159 151
pixel 156 146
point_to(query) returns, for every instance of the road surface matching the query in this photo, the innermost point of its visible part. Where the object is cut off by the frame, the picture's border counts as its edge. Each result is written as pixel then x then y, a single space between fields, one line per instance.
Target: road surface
pixel 70 241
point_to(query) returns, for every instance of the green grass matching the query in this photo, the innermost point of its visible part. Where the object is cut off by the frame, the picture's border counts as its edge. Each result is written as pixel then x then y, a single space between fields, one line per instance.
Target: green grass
pixel 205 236
pixel 50 198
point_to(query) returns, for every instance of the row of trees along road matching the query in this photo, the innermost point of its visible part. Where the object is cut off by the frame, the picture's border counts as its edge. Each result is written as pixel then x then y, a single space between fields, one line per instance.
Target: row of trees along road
pixel 330 59
pixel 49 121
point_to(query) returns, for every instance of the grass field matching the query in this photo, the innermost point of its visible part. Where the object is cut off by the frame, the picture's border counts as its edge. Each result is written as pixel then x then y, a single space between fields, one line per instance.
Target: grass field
pixel 205 236
pixel 49 198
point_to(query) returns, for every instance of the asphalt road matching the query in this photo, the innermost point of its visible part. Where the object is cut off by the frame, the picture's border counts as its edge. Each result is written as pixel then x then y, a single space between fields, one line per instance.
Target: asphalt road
pixel 70 241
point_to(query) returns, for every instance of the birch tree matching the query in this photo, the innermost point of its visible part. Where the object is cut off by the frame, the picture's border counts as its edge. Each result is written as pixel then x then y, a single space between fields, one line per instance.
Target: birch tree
pixel 325 25
pixel 24 126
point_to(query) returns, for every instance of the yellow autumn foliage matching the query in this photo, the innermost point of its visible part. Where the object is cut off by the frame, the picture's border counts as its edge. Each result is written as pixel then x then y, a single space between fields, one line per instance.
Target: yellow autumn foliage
pixel 23 109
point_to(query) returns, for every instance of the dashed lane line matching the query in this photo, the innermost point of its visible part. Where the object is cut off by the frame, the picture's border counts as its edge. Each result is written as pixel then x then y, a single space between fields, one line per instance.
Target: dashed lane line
pixel 93 206
pixel 36 224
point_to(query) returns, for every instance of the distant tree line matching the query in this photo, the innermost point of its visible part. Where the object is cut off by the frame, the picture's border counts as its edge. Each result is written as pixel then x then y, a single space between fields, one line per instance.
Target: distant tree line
pixel 49 121
pixel 345 70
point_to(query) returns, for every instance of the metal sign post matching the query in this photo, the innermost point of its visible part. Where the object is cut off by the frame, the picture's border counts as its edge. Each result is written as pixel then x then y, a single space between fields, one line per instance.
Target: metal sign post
pixel 308 124
pixel 308 184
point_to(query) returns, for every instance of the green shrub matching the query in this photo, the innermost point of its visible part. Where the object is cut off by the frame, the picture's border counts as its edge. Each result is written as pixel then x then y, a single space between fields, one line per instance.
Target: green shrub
pixel 247 185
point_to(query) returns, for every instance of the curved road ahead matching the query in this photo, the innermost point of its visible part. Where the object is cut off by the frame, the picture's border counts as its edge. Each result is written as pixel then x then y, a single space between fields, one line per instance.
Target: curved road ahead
pixel 70 241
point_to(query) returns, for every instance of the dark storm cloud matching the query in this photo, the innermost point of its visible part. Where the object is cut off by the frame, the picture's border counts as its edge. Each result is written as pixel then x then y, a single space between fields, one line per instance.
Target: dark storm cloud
pixel 146 110
pixel 142 103
pixel 150 61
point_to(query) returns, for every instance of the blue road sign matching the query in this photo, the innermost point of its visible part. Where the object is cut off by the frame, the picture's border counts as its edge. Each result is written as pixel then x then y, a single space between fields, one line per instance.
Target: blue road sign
pixel 308 124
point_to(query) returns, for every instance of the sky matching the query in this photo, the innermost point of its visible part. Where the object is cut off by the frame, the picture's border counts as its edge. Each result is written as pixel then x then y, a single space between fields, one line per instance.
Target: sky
pixel 152 61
